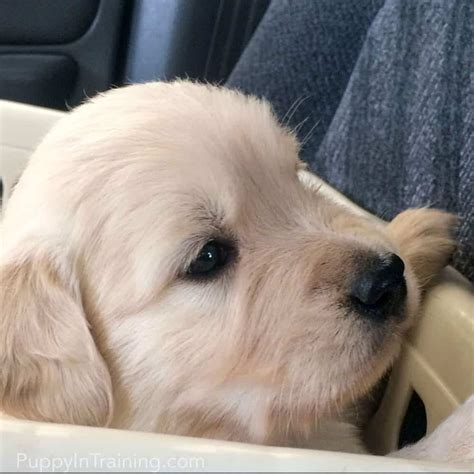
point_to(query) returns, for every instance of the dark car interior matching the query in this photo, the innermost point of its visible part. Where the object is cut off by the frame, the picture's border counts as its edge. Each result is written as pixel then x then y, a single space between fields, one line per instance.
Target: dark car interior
pixel 55 53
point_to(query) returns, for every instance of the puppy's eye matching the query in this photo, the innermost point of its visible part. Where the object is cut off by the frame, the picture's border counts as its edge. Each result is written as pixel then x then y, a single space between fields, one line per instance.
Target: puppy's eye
pixel 213 256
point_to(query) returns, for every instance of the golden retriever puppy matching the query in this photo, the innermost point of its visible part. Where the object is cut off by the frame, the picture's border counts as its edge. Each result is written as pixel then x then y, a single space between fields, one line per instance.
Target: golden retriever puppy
pixel 163 268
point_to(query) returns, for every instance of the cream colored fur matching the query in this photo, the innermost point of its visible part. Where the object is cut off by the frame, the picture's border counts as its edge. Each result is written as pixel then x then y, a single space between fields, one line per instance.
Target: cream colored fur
pixel 99 324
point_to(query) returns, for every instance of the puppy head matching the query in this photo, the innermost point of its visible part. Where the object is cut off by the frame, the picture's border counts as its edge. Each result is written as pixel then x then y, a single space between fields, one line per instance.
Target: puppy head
pixel 160 246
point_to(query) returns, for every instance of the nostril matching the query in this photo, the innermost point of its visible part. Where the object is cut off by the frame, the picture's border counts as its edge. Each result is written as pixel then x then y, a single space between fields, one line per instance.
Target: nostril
pixel 394 267
pixel 380 284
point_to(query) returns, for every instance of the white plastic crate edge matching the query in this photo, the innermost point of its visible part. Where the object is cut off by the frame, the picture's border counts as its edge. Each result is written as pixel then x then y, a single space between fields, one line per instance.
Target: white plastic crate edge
pixel 26 444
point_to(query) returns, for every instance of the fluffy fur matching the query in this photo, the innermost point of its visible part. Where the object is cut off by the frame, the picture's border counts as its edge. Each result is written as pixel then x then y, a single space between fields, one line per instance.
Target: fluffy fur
pixel 100 324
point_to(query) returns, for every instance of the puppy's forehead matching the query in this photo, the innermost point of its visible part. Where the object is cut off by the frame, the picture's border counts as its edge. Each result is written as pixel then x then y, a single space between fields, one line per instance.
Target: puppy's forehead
pixel 202 141
pixel 199 121
pixel 166 155
pixel 232 147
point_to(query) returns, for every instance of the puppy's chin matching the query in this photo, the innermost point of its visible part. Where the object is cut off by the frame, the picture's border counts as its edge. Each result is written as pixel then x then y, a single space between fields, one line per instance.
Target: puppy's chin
pixel 378 348
pixel 350 369
pixel 367 370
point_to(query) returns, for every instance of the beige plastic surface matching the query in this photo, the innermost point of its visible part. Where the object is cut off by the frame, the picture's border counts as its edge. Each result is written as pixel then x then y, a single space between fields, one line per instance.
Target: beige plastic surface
pixel 437 362
pixel 21 129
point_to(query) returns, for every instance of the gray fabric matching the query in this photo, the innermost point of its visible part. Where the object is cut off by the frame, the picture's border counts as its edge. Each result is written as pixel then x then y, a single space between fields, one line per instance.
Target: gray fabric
pixel 390 84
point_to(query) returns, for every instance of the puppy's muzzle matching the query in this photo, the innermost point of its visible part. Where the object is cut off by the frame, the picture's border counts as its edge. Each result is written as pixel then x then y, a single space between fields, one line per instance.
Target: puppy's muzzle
pixel 379 290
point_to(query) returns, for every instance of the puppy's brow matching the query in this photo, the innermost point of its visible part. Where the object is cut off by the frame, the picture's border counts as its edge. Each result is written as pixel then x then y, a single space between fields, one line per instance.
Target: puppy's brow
pixel 209 225
pixel 207 216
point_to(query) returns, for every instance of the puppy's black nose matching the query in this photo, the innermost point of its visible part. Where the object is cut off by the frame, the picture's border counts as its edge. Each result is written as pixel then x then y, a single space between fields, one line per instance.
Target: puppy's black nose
pixel 380 290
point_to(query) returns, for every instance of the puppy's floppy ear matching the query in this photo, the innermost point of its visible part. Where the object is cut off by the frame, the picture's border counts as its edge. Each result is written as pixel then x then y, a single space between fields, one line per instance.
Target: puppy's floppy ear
pixel 425 238
pixel 50 368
